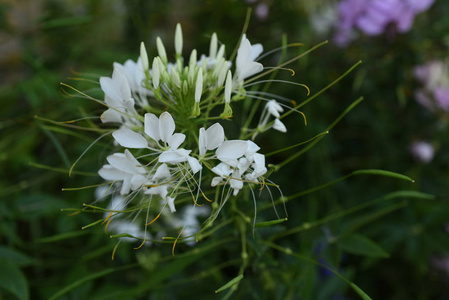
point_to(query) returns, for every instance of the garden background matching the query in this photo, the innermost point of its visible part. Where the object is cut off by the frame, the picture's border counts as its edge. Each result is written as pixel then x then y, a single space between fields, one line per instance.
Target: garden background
pixel 43 251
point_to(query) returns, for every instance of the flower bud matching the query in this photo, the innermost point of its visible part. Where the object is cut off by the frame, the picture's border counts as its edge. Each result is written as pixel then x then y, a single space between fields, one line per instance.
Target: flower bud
pixel 156 73
pixel 144 57
pixel 228 87
pixel 213 46
pixel 178 39
pixel 161 50
pixel 199 86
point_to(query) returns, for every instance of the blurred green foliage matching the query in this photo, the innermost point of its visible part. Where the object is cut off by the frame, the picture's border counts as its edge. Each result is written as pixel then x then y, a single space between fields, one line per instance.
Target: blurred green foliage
pixel 388 248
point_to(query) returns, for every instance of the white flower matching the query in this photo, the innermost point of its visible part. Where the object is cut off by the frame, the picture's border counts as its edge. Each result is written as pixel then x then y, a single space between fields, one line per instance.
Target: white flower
pixel 135 76
pixel 124 167
pixel 117 98
pixel 245 64
pixel 211 138
pixel 159 129
pixel 272 108
pixel 238 160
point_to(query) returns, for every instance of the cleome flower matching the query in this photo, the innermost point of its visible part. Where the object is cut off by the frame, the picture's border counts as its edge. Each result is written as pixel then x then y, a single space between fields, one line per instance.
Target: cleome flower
pixel 168 147
pixel 239 162
pixel 272 108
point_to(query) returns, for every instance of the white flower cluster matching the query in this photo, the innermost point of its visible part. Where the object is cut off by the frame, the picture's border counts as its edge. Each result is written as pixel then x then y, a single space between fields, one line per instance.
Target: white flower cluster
pixel 161 113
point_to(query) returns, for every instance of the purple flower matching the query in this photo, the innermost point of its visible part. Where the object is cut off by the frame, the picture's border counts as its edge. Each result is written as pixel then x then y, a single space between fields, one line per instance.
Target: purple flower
pixel 373 17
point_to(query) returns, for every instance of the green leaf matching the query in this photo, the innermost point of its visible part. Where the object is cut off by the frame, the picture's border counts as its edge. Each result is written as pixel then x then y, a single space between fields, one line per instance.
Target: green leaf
pixel 382 173
pixel 13 280
pixel 16 257
pixel 359 291
pixel 361 245
pixel 230 283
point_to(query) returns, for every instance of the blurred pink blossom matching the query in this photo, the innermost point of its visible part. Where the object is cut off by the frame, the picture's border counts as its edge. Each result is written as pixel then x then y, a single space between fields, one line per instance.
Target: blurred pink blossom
pixel 372 17
pixel 423 151
pixel 434 77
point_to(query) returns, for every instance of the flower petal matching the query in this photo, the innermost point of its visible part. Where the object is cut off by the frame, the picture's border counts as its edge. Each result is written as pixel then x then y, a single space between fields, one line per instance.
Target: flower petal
pixel 161 190
pixel 122 83
pixel 215 136
pixel 126 185
pixel 279 126
pixel 152 126
pixel 230 151
pixel 130 139
pixel 194 164
pixel 162 172
pixel 137 181
pixel 222 169
pixel 171 204
pixel 108 172
pixel 176 140
pixel 216 181
pixel 122 163
pixel 174 156
pixel 166 126
pixel 111 116
pixel 259 164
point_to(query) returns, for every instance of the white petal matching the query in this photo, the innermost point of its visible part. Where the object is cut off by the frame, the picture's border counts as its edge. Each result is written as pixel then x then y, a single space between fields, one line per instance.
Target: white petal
pixel 152 126
pixel 166 126
pixel 130 139
pixel 249 68
pixel 216 181
pixel 252 148
pixel 256 50
pixel 126 185
pixel 132 161
pixel 174 156
pixel 162 172
pixel 176 140
pixel 161 190
pixel 123 163
pixel 120 80
pixel 108 172
pixel 243 164
pixel 171 204
pixel 194 164
pixel 259 164
pixel 215 136
pixel 137 181
pixel 274 108
pixel 111 116
pixel 245 65
pixel 109 88
pixel 222 169
pixel 279 126
pixel 231 150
